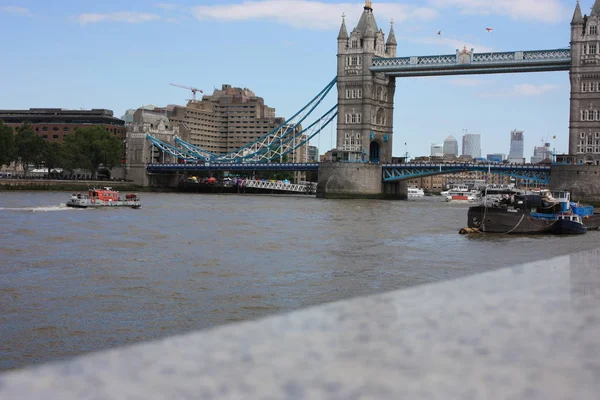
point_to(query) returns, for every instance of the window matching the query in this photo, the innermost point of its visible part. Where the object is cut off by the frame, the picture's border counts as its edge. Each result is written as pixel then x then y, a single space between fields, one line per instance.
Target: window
pixel 54 136
pixel 593 115
pixel 359 93
pixel 590 142
pixel 597 135
pixel 584 115
pixel 55 129
pixel 593 30
pixel 65 129
pixel 592 49
pixel 45 129
pixel 44 136
pixel 354 44
pixel 585 86
pixel 582 135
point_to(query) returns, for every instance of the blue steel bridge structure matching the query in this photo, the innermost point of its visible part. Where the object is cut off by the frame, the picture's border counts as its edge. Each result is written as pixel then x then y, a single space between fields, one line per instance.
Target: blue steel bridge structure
pixel 267 153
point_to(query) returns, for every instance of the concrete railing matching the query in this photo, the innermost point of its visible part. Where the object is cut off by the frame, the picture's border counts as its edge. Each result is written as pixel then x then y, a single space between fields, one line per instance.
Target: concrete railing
pixel 529 332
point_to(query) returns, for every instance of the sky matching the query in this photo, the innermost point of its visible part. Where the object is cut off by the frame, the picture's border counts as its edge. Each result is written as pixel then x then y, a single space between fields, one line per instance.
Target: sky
pixel 123 54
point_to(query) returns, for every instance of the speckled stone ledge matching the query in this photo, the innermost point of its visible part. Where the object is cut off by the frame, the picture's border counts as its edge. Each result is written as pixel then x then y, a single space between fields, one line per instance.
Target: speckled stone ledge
pixel 529 332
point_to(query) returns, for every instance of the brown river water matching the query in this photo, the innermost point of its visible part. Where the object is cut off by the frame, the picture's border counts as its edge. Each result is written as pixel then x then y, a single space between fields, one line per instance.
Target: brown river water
pixel 76 281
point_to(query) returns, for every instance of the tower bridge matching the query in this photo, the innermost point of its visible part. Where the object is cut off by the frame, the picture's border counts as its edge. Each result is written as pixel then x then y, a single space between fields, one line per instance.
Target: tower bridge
pixel 367 69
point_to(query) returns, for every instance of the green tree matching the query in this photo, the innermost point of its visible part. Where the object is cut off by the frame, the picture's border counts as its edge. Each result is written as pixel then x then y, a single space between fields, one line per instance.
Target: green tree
pixel 7 145
pixel 30 147
pixel 90 148
pixel 53 156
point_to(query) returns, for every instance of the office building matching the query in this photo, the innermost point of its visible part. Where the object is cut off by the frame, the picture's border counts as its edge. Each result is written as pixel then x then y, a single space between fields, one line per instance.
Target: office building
pixel 313 154
pixel 53 124
pixel 517 139
pixel 471 145
pixel 451 146
pixel 437 150
pixel 496 157
pixel 541 153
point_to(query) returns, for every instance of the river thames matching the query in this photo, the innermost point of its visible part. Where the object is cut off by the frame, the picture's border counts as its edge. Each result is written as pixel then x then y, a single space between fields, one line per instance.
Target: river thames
pixel 75 281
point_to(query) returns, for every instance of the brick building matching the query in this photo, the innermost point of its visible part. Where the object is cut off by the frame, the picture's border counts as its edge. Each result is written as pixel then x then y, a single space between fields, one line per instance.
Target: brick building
pixel 53 124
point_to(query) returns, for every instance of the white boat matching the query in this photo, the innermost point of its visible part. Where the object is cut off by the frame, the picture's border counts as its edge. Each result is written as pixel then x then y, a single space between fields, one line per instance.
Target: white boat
pixel 106 197
pixel 456 188
pixel 462 197
pixel 415 192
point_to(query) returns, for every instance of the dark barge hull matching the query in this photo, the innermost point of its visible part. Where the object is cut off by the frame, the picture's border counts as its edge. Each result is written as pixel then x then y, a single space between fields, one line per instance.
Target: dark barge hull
pixel 500 220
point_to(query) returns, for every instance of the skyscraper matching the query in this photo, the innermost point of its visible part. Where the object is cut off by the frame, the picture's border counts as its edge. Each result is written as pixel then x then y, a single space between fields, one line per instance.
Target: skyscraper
pixel 451 146
pixel 437 150
pixel 516 147
pixel 471 145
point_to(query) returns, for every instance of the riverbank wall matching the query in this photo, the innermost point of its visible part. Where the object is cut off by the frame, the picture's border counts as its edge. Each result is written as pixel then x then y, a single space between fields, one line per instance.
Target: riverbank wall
pixel 67 186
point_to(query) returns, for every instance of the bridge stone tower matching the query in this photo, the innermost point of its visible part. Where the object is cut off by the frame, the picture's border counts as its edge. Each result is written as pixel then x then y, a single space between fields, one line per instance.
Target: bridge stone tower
pixel 584 123
pixel 365 99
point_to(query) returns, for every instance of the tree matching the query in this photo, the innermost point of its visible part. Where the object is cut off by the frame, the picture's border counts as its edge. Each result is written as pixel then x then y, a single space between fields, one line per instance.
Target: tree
pixel 29 147
pixel 53 156
pixel 7 145
pixel 90 148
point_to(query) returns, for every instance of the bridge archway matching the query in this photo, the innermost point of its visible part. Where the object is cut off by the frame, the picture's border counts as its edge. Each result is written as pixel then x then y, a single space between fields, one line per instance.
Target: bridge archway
pixel 374 151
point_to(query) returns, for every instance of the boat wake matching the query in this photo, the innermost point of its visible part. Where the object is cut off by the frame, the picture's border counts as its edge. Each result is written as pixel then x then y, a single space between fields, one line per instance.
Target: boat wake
pixel 60 207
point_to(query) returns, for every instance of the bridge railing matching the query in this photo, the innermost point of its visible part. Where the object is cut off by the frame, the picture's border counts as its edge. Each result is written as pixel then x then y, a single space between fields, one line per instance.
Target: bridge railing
pixel 474 59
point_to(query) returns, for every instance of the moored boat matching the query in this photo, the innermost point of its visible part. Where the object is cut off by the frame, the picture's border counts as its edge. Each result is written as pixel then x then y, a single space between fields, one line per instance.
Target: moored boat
pixel 106 197
pixel 531 213
pixel 568 224
pixel 462 197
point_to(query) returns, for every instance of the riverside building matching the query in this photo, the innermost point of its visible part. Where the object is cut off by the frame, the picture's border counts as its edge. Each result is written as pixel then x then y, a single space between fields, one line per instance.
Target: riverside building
pixel 53 124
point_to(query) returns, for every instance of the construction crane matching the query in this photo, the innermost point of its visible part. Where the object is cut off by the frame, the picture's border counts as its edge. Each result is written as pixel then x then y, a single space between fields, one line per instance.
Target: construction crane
pixel 193 89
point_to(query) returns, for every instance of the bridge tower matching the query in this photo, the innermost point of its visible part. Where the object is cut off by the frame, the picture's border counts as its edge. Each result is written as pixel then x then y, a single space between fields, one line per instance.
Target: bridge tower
pixel 584 126
pixel 365 99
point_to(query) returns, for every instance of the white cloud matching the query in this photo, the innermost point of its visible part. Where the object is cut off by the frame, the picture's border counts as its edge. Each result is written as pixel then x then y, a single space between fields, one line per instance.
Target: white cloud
pixel 125 16
pixel 167 6
pixel 15 10
pixel 454 44
pixel 534 10
pixel 523 90
pixel 307 13
pixel 468 82
pixel 527 89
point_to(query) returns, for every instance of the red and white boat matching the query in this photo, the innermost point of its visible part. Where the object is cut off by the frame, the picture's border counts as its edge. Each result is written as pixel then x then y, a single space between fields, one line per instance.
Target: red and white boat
pixel 106 197
pixel 462 197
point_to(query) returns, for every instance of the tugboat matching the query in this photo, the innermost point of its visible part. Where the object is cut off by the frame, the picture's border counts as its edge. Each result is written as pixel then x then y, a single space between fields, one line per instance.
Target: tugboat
pixel 568 224
pixel 106 197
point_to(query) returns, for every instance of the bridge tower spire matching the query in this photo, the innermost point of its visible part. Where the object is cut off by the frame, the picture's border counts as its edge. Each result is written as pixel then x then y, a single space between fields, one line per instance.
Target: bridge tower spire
pixel 584 122
pixel 365 99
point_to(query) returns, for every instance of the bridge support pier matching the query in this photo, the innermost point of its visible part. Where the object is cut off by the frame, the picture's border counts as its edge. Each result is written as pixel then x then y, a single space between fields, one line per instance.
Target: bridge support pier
pixel 356 181
pixel 583 181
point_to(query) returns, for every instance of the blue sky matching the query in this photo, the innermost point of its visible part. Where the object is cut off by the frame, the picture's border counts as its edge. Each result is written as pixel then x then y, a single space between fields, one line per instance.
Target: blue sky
pixel 123 54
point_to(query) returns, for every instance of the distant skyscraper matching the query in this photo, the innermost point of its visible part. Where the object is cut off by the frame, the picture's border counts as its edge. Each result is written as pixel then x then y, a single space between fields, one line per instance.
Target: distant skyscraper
pixel 471 145
pixel 313 154
pixel 437 150
pixel 451 146
pixel 516 147
pixel 541 153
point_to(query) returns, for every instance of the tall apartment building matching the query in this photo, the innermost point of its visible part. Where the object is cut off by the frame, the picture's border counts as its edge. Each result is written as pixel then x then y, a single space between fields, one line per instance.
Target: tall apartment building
pixel 471 145
pixel 227 120
pixel 451 146
pixel 517 139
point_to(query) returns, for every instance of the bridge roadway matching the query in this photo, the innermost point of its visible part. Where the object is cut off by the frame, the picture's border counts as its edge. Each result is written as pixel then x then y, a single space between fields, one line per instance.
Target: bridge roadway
pixel 391 172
